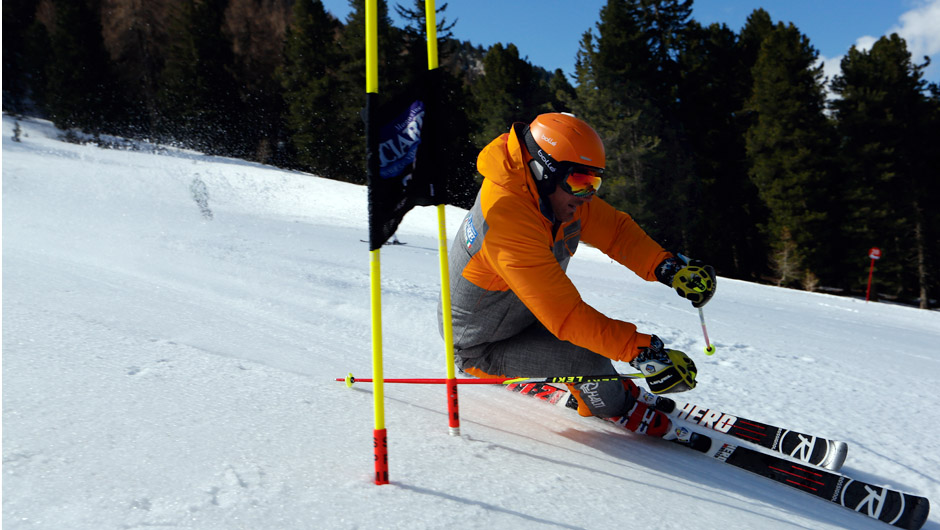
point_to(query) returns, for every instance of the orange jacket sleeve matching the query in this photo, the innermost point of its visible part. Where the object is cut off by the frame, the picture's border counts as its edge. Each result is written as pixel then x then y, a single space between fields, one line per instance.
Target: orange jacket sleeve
pixel 518 249
pixel 616 234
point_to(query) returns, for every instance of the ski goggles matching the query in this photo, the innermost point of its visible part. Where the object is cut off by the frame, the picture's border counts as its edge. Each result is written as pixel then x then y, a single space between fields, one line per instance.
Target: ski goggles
pixel 582 181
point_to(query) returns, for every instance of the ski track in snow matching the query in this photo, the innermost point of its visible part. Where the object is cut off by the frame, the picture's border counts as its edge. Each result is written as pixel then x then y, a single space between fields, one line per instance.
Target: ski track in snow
pixel 173 323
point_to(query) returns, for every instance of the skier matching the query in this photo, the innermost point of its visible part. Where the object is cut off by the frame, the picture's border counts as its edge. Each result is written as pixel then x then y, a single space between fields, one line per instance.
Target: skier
pixel 515 311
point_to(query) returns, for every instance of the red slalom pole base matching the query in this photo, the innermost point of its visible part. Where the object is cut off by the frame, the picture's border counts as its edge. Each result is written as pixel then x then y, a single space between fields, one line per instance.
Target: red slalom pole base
pixel 453 410
pixel 380 441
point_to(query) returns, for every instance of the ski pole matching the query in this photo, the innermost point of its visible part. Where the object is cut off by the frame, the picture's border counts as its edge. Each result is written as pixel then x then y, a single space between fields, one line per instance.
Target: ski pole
pixel 709 348
pixel 573 379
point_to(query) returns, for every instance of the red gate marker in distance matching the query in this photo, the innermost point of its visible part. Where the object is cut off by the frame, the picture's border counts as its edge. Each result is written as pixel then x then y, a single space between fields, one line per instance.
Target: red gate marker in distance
pixel 875 254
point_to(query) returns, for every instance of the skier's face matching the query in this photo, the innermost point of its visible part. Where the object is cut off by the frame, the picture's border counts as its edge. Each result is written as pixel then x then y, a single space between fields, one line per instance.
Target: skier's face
pixel 565 204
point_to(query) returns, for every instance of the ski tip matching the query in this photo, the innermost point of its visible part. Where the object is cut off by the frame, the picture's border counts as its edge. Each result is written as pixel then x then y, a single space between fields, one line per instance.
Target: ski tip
pixel 837 454
pixel 918 514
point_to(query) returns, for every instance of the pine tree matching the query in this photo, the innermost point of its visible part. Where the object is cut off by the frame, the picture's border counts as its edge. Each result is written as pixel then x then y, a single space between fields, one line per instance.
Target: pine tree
pixel 664 23
pixel 135 34
pixel 18 16
pixel 627 88
pixel 80 82
pixel 416 32
pixel 713 88
pixel 609 98
pixel 257 30
pixel 198 97
pixel 509 91
pixel 756 29
pixel 560 91
pixel 928 277
pixel 38 55
pixel 605 106
pixel 321 134
pixel 887 125
pixel 349 96
pixel 789 145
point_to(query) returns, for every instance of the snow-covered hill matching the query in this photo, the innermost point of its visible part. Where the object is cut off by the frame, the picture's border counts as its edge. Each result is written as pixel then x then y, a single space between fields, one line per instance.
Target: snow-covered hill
pixel 173 323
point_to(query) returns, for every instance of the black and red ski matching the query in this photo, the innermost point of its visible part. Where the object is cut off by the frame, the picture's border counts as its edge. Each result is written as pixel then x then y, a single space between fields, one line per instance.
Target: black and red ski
pixel 816 450
pixel 893 507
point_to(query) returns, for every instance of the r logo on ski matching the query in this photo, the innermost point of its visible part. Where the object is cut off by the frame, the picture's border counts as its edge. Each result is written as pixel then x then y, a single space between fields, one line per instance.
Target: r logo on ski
pixel 804 449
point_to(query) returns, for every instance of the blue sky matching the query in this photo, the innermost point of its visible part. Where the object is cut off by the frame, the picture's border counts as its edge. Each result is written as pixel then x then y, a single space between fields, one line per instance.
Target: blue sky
pixel 548 32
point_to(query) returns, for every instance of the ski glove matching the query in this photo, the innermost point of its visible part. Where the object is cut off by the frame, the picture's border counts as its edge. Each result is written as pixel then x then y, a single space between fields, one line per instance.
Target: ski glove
pixel 665 371
pixel 694 280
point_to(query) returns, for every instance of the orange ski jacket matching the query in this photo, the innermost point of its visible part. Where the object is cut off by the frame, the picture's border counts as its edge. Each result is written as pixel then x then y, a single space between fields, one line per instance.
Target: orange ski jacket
pixel 508 263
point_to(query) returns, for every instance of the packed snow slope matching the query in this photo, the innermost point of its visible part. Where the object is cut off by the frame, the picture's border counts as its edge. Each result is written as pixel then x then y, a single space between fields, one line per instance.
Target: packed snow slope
pixel 173 324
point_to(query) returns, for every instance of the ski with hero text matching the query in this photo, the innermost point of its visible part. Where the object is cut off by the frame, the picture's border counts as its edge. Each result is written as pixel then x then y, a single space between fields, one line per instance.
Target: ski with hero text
pixel 891 506
pixel 815 450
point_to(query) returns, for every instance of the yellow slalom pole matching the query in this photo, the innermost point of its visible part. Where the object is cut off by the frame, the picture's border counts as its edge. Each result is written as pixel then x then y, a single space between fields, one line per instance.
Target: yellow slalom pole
pixel 372 47
pixel 380 438
pixel 453 409
pixel 430 15
pixel 379 435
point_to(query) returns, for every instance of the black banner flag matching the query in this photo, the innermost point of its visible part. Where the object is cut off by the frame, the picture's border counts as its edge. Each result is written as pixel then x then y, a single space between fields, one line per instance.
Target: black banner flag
pixel 402 156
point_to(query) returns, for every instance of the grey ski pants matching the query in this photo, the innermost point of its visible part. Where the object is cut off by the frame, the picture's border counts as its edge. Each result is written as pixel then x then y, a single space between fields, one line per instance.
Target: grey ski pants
pixel 535 352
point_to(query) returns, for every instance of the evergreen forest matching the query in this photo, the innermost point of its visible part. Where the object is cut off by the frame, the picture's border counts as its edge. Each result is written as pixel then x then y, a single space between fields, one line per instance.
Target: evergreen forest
pixel 725 144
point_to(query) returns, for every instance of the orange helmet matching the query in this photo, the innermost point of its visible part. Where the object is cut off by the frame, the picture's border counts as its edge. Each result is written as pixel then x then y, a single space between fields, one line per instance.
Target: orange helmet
pixel 560 144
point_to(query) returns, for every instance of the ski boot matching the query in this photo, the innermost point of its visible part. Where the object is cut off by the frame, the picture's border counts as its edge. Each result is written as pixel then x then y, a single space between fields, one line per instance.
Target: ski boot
pixel 643 417
pixel 649 416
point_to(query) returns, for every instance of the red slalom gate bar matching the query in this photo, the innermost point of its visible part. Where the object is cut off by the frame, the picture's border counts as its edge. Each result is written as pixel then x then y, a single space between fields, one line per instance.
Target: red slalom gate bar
pixel 431 381
pixel 573 379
